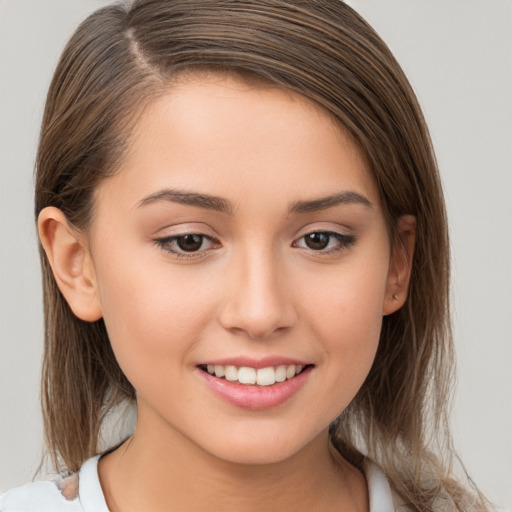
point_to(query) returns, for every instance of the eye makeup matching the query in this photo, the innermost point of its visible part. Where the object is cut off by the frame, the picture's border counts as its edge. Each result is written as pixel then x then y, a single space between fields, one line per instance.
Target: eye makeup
pixel 197 245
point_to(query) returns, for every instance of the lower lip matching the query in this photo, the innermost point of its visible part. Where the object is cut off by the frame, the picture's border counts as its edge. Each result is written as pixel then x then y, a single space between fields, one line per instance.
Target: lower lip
pixel 255 397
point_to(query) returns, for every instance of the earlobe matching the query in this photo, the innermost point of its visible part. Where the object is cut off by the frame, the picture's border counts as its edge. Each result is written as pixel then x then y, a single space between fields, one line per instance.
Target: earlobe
pixel 400 267
pixel 71 263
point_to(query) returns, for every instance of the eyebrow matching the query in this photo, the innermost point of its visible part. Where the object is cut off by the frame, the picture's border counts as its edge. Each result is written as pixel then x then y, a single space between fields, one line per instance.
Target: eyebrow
pixel 222 205
pixel 205 201
pixel 323 203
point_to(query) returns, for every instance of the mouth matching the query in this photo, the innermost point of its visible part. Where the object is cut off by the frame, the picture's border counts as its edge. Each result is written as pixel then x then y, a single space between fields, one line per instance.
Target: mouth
pixel 249 376
pixel 255 384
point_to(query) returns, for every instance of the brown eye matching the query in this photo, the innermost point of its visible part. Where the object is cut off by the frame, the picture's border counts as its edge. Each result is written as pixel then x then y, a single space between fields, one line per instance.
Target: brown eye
pixel 189 243
pixel 325 242
pixel 317 241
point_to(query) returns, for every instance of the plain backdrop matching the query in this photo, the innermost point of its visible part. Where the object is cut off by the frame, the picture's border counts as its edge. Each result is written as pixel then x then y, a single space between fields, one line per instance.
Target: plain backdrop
pixel 458 56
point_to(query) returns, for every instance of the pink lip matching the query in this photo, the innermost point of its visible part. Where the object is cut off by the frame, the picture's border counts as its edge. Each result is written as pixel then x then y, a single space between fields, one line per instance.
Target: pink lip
pixel 255 397
pixel 264 362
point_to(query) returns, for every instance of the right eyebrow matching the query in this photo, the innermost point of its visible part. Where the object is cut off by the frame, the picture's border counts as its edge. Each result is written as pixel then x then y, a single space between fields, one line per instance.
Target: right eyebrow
pixel 206 201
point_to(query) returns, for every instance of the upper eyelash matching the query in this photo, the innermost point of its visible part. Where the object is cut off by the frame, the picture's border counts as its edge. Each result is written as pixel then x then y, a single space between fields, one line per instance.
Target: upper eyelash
pixel 347 241
pixel 163 243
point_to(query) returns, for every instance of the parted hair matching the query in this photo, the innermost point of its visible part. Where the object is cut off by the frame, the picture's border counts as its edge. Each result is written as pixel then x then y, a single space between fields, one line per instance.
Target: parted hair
pixel 121 58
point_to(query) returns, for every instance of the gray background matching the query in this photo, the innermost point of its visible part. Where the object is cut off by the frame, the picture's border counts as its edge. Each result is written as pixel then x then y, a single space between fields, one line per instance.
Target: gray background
pixel 458 56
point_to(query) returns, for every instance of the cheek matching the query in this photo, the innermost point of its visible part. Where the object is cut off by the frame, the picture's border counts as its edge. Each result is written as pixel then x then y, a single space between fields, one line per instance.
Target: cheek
pixel 348 301
pixel 153 316
pixel 347 317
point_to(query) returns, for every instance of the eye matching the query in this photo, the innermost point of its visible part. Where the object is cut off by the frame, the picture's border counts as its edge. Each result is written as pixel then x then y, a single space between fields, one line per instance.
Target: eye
pixel 189 245
pixel 326 241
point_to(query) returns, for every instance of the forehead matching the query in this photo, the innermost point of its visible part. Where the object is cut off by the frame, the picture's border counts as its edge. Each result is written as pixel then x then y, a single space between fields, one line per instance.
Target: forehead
pixel 224 136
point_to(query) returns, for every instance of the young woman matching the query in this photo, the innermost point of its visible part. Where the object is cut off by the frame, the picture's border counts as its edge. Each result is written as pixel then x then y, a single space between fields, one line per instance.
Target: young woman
pixel 243 232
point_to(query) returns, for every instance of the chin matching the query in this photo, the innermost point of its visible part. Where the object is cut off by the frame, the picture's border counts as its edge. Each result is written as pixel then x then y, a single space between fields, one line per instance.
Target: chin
pixel 262 447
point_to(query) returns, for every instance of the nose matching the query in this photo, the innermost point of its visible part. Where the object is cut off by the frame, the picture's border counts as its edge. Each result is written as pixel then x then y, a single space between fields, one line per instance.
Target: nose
pixel 257 300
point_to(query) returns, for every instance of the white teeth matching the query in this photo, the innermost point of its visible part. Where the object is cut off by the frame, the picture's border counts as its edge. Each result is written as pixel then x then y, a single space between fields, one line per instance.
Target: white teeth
pixel 266 377
pixel 281 373
pixel 247 375
pixel 262 376
pixel 231 373
pixel 290 371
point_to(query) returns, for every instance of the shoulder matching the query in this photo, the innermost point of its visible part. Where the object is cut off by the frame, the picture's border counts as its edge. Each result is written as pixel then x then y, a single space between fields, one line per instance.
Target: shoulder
pixel 79 493
pixel 38 497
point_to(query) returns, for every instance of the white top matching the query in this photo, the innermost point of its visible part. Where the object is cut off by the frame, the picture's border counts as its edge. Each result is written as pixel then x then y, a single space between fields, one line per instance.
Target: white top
pixel 47 496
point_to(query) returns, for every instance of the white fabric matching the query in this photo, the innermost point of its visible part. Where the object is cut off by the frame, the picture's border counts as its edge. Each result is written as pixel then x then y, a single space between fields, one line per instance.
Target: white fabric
pixel 46 496
pixel 379 493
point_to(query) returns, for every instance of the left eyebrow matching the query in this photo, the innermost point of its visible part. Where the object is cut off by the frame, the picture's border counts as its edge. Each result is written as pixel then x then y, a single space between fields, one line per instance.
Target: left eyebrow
pixel 323 203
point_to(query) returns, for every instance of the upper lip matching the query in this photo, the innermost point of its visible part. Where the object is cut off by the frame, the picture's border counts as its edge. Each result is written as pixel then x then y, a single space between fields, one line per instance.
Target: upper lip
pixel 251 362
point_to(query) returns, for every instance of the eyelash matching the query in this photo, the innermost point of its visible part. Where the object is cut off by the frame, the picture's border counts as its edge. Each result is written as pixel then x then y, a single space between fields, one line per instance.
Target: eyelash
pixel 167 243
pixel 344 242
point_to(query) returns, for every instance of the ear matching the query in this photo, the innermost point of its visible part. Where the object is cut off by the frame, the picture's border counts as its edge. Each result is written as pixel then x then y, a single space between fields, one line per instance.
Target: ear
pixel 71 263
pixel 400 266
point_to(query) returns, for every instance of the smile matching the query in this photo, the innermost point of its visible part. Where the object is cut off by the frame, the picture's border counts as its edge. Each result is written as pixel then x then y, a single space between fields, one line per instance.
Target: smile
pixel 254 376
pixel 253 388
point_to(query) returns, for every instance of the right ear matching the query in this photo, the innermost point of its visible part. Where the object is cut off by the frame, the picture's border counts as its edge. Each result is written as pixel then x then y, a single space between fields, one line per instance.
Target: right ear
pixel 71 262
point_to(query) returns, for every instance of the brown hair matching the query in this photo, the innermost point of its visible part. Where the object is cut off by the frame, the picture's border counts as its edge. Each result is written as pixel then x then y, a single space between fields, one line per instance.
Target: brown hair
pixel 123 56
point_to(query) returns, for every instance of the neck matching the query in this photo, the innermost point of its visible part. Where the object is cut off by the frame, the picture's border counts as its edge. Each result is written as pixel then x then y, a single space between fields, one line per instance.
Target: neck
pixel 156 471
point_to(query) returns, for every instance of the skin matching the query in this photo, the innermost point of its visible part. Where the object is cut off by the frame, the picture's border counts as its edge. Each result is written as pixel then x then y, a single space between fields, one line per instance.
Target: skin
pixel 255 290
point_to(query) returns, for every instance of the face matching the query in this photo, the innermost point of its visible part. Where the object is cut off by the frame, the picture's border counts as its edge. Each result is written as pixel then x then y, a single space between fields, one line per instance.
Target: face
pixel 241 261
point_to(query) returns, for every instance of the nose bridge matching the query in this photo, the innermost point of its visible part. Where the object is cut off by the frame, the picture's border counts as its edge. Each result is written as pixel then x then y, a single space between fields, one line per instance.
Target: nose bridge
pixel 257 300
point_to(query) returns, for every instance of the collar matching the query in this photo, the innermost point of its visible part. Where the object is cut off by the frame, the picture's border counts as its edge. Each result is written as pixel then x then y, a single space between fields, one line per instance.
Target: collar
pixel 379 492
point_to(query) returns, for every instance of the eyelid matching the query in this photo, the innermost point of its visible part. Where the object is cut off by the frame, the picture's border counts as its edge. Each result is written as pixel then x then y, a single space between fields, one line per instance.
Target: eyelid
pixel 182 229
pixel 165 243
pixel 345 241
